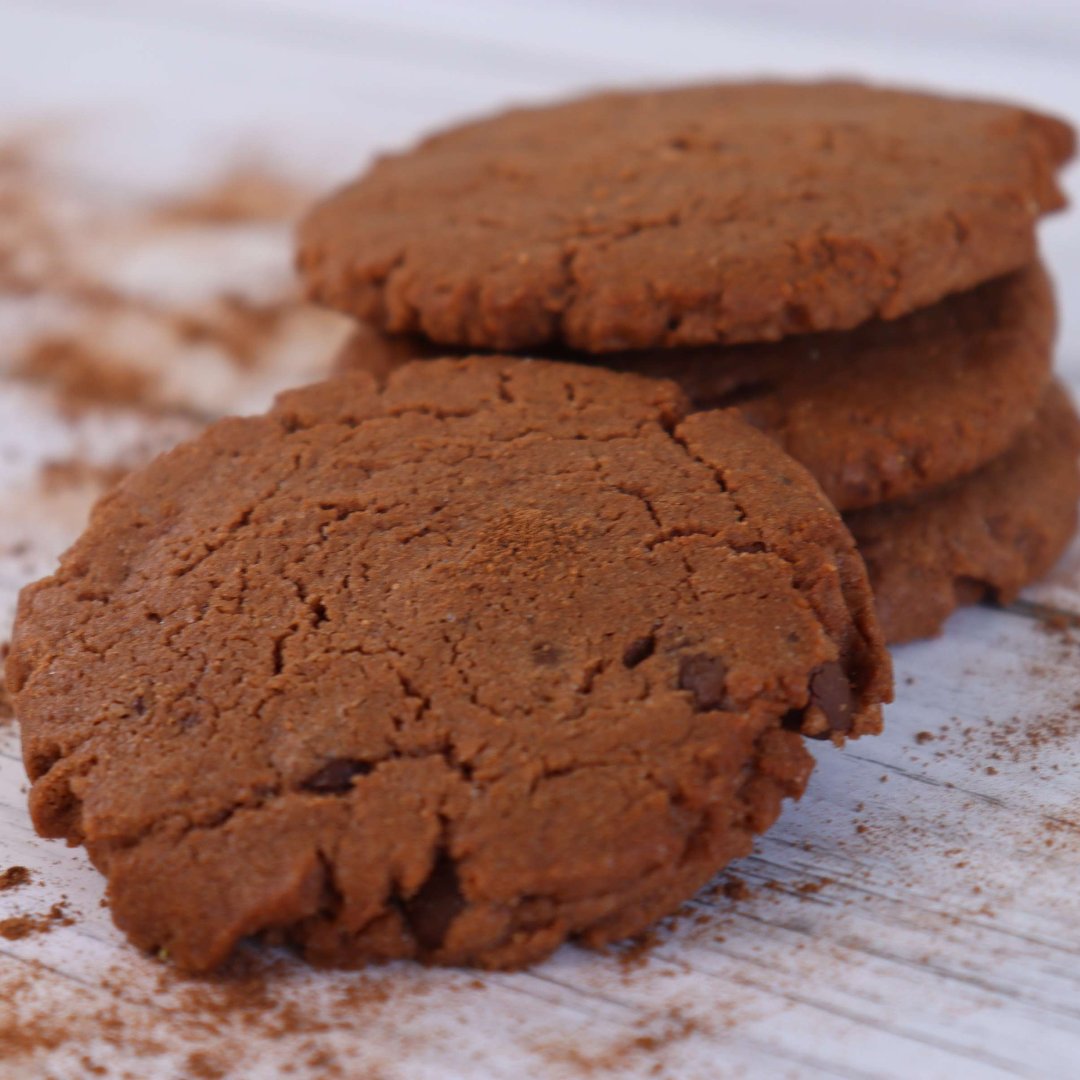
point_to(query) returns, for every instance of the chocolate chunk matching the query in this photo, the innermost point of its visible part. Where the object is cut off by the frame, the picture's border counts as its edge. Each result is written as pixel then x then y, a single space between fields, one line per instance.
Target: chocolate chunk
pixel 545 655
pixel 706 678
pixel 639 649
pixel 336 776
pixel 438 903
pixel 831 692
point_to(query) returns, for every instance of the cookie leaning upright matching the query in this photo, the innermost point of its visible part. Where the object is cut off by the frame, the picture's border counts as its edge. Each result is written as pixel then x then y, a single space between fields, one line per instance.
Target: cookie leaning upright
pixel 987 534
pixel 723 213
pixel 497 654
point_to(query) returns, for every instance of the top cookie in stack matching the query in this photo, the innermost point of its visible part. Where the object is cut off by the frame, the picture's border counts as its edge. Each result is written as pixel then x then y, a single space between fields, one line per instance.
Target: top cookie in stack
pixel 856 268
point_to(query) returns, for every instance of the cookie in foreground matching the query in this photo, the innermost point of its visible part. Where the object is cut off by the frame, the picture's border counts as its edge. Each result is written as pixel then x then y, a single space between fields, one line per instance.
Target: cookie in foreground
pixel 720 213
pixel 499 654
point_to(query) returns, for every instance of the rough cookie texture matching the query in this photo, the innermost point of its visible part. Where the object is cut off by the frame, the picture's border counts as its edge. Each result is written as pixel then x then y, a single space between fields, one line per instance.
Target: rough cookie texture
pixel 725 213
pixel 876 413
pixel 502 653
pixel 985 535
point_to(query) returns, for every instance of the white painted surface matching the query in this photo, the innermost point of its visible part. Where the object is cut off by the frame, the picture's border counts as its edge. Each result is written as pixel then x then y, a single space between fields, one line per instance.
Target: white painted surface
pixel 945 938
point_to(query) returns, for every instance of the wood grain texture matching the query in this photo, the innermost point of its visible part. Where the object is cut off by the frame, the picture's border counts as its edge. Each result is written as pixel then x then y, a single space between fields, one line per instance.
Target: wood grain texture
pixel 917 914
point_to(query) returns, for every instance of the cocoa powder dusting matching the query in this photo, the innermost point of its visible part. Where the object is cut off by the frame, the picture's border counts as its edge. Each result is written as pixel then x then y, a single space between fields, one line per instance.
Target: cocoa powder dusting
pixel 206 1027
pixel 81 377
pixel 629 1051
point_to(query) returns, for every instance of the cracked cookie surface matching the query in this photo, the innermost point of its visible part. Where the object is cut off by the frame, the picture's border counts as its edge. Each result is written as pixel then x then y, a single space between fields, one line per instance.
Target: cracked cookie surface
pixel 497 654
pixel 724 213
pixel 985 535
pixel 876 413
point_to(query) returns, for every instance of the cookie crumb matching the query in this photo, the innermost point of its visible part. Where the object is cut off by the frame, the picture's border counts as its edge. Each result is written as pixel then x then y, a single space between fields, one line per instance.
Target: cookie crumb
pixel 13 877
pixel 734 888
pixel 636 953
pixel 811 888
pixel 21 926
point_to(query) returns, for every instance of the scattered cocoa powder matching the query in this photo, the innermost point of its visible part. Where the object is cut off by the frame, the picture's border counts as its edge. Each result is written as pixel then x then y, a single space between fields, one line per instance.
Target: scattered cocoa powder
pixel 239 326
pixel 202 1066
pixel 1017 738
pixel 100 357
pixel 80 376
pixel 635 954
pixel 13 877
pixel 628 1051
pixel 245 192
pixel 211 1023
pixel 1060 624
pixel 812 888
pixel 20 926
pixel 734 888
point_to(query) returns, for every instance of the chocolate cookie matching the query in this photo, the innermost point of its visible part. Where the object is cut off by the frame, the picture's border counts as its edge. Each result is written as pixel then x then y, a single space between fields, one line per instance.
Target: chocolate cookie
pixel 725 213
pixel 985 535
pixel 497 655
pixel 876 413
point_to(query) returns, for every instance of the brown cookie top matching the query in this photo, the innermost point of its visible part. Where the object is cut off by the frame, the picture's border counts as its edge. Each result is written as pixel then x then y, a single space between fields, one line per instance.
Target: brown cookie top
pixel 500 653
pixel 985 535
pixel 876 413
pixel 721 213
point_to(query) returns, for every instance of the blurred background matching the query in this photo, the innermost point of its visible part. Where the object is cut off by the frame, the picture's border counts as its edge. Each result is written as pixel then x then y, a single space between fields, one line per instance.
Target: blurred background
pixel 165 91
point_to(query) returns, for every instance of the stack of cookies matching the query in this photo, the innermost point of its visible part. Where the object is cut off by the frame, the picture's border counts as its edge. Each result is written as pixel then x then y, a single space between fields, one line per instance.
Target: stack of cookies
pixel 460 656
pixel 855 269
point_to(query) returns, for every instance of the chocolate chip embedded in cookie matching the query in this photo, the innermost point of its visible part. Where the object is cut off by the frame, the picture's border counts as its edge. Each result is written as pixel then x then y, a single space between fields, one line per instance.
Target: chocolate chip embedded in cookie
pixel 726 213
pixel 984 535
pixel 498 654
pixel 876 413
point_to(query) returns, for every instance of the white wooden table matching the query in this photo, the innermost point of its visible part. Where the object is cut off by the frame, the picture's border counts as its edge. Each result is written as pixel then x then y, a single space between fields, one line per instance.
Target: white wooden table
pixel 916 915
